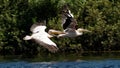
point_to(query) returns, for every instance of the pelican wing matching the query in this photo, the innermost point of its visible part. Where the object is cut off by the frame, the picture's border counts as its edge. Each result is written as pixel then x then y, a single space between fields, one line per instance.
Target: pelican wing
pixel 70 23
pixel 37 27
pixel 68 20
pixel 43 40
pixel 41 37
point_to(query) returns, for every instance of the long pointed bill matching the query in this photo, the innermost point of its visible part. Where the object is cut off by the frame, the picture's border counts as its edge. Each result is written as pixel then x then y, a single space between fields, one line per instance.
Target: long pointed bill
pixel 55 32
pixel 83 30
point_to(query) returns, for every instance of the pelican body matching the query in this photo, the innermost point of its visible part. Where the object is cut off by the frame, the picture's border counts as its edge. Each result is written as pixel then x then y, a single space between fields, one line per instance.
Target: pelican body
pixel 69 24
pixel 41 37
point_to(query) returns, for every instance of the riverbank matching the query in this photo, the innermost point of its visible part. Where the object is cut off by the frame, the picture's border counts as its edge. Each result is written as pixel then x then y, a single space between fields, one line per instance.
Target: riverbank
pixel 46 57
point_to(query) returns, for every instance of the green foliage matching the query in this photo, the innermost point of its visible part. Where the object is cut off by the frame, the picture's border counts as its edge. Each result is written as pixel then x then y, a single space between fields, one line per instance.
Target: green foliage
pixel 102 17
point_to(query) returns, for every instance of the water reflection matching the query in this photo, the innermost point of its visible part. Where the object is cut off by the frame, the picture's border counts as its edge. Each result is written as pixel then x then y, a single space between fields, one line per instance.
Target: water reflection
pixel 65 64
pixel 63 60
pixel 63 56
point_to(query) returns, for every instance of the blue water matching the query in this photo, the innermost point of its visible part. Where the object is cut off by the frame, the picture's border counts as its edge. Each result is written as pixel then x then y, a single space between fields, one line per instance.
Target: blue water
pixel 66 64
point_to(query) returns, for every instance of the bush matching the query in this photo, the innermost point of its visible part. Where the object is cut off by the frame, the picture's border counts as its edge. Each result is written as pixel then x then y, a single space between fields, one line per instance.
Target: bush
pixel 99 16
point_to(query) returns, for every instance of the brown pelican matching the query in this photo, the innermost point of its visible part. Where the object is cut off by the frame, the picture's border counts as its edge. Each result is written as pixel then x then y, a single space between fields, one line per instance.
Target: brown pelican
pixel 41 37
pixel 69 25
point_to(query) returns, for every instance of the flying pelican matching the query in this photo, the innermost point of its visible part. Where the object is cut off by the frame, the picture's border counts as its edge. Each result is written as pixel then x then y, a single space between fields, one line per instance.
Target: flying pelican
pixel 41 37
pixel 69 25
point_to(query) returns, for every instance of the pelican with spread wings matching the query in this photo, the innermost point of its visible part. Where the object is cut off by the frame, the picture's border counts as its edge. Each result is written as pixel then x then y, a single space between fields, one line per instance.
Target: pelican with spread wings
pixel 69 24
pixel 41 37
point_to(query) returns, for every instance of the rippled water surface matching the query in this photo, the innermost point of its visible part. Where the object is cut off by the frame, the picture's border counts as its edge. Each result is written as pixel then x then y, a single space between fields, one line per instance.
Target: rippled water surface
pixel 63 61
pixel 65 64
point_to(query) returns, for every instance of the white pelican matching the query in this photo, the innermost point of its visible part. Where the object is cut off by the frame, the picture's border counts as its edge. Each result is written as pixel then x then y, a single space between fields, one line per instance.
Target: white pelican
pixel 69 25
pixel 41 37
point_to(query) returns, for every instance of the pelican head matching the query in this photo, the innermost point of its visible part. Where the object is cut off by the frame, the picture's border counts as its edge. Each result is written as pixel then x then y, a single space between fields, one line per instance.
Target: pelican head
pixel 27 37
pixel 73 33
pixel 82 30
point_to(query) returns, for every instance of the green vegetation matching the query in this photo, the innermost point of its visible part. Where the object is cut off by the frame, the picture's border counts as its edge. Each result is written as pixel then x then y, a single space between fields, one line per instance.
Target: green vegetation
pixel 102 17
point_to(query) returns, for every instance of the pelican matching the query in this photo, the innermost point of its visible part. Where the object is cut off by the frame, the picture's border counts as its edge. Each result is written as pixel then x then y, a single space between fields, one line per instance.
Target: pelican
pixel 41 37
pixel 69 24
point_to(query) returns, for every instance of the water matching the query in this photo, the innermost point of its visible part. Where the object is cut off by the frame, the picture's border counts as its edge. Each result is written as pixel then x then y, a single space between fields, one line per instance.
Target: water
pixel 65 64
pixel 87 60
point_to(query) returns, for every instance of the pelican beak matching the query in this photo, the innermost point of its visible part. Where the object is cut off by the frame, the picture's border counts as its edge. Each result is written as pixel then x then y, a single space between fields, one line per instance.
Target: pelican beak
pixel 55 32
pixel 27 37
pixel 83 30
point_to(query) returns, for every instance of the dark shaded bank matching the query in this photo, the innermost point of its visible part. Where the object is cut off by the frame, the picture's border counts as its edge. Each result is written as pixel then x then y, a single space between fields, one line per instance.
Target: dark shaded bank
pixel 47 57
pixel 63 60
pixel 72 64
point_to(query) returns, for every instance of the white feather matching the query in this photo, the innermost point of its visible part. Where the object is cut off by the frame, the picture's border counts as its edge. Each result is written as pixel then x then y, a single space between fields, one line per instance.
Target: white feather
pixel 41 37
pixel 70 33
